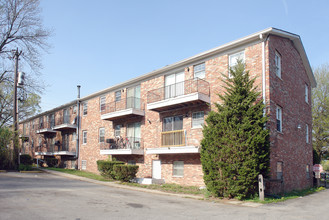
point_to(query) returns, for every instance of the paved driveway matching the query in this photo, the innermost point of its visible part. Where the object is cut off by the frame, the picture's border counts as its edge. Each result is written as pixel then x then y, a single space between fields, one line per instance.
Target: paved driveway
pixel 45 196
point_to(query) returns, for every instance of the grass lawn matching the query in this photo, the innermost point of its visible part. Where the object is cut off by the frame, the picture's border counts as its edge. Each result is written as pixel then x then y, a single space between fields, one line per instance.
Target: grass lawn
pixel 79 173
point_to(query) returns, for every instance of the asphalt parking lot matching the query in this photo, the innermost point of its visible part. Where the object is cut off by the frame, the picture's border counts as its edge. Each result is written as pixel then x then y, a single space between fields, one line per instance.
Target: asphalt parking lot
pixel 46 196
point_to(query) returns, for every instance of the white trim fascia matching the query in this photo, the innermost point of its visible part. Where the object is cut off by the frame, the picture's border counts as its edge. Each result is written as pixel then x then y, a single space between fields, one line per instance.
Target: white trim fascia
pixel 43 153
pixel 45 130
pixel 122 152
pixel 64 153
pixel 174 150
pixel 125 112
pixel 64 126
pixel 178 100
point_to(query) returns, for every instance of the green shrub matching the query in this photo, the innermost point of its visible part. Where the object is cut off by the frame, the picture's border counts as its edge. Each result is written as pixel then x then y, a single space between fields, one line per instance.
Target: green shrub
pixel 26 159
pixel 105 167
pixel 23 167
pixel 51 162
pixel 125 172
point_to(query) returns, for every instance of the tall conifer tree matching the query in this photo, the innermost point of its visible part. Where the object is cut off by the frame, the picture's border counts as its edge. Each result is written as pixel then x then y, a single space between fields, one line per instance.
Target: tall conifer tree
pixel 235 147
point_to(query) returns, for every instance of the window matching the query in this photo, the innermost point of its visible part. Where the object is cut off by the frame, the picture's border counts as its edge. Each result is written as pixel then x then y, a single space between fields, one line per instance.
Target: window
pixel 233 60
pixel 174 85
pixel 178 168
pixel 278 64
pixel 307 171
pixel 75 109
pixel 173 123
pixel 85 108
pixel 199 71
pixel 131 162
pixel 118 95
pixel 279 119
pixel 52 120
pixel 84 137
pixel 83 164
pixel 307 134
pixel 117 130
pixel 279 166
pixel 65 142
pixel 102 103
pixel 306 93
pixel 101 135
pixel 74 136
pixel 197 119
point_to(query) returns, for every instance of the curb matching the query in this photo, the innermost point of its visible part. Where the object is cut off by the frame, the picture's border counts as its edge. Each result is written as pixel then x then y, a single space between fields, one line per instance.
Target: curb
pixel 116 185
pixel 32 171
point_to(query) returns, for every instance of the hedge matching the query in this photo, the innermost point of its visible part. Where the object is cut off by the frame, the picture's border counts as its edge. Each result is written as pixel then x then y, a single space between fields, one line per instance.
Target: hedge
pixel 51 162
pixel 105 167
pixel 125 172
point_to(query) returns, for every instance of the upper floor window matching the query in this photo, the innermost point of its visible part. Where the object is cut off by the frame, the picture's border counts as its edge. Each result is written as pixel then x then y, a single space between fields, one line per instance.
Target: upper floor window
pixel 199 71
pixel 117 130
pixel 102 103
pixel 306 93
pixel 197 119
pixel 75 109
pixel 277 64
pixel 101 135
pixel 85 108
pixel 233 60
pixel 118 95
pixel 84 137
pixel 279 119
pixel 307 134
pixel 173 123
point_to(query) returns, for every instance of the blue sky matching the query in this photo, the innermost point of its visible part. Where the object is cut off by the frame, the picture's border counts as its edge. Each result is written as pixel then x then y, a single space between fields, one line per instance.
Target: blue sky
pixel 100 43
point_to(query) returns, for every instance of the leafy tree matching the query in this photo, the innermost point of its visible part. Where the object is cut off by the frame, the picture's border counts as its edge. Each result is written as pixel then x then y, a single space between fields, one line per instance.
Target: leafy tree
pixel 235 147
pixel 21 28
pixel 6 136
pixel 320 111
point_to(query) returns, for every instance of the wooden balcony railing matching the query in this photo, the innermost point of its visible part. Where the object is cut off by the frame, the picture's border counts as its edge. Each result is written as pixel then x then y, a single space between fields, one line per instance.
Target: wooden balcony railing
pixel 173 138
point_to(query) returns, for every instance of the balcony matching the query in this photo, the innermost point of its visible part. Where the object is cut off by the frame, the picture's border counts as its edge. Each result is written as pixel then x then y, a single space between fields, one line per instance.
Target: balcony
pixel 46 128
pixel 55 149
pixel 123 109
pixel 122 146
pixel 183 94
pixel 65 123
pixel 173 142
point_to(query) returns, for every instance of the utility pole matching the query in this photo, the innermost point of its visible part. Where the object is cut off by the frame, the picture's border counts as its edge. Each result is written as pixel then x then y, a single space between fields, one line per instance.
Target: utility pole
pixel 15 110
pixel 77 153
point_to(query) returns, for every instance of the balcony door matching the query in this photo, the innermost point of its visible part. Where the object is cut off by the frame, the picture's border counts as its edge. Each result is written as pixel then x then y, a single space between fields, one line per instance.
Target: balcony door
pixel 174 85
pixel 134 135
pixel 133 97
pixel 66 114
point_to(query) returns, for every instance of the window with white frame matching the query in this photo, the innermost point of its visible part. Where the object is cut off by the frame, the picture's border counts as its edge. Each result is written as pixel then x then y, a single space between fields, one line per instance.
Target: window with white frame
pixel 118 95
pixel 279 170
pixel 85 108
pixel 75 109
pixel 278 64
pixel 200 71
pixel 117 130
pixel 101 135
pixel 233 60
pixel 197 119
pixel 306 93
pixel 307 171
pixel 178 168
pixel 102 101
pixel 307 134
pixel 83 164
pixel 84 137
pixel 278 118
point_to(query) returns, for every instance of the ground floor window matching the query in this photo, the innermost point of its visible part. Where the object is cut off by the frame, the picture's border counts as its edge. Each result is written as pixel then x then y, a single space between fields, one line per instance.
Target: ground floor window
pixel 178 168
pixel 279 166
pixel 307 171
pixel 83 164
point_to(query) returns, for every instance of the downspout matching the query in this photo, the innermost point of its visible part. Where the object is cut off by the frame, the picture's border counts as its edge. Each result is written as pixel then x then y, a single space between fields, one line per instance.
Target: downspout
pixel 261 37
pixel 77 151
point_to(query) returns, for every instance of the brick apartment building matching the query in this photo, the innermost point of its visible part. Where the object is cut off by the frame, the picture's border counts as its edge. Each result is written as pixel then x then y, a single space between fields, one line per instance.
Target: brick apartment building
pixel 155 120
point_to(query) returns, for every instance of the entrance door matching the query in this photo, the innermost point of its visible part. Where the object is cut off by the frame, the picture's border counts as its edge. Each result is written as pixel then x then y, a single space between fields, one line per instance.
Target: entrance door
pixel 156 169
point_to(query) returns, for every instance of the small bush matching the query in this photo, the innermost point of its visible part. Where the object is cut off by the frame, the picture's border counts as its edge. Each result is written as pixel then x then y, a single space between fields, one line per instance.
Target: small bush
pixel 26 159
pixel 105 167
pixel 23 167
pixel 125 172
pixel 51 162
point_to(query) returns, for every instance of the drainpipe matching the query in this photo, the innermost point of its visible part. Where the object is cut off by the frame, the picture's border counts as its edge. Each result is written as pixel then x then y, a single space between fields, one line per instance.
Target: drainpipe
pixel 77 151
pixel 261 37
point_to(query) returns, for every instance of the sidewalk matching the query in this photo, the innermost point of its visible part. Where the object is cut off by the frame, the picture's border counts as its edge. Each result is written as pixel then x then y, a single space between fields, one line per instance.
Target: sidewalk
pixel 117 185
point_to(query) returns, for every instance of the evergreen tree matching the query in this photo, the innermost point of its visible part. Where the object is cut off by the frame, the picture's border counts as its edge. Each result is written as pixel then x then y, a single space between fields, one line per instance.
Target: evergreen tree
pixel 235 147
